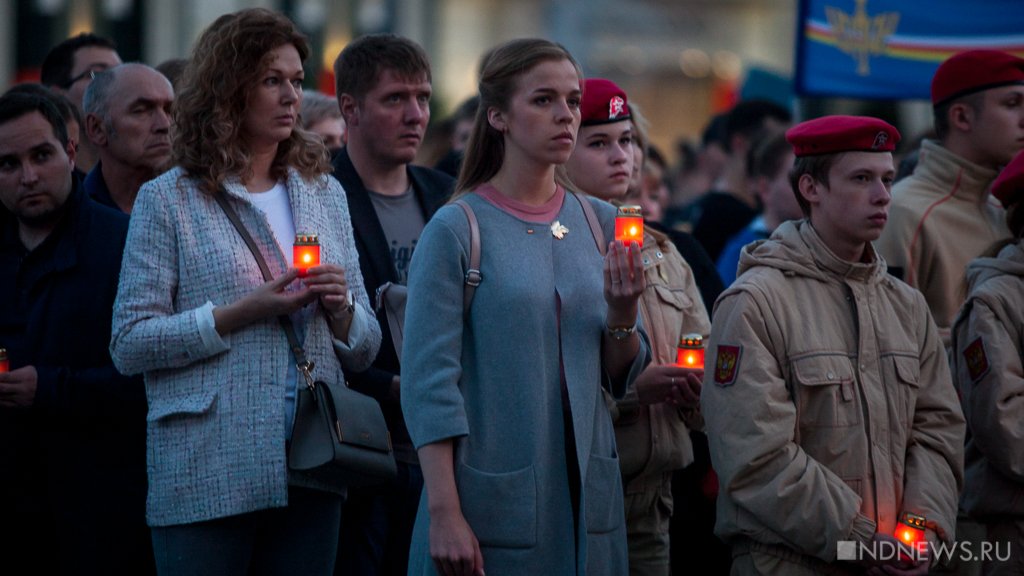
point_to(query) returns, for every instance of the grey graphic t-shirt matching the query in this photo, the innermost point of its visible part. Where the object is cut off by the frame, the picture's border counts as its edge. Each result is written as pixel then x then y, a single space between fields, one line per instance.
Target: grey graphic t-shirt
pixel 402 220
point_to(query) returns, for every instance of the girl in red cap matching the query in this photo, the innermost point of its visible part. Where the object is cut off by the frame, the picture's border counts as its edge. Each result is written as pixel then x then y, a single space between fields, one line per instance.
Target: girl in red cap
pixel 664 401
pixel 503 400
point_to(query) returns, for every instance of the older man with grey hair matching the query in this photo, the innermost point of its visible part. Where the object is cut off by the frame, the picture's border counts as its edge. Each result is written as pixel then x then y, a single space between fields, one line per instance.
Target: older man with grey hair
pixel 128 119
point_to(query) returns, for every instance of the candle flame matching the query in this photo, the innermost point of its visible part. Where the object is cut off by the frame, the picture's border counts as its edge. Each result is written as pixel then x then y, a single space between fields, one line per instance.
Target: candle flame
pixel 307 258
pixel 691 360
pixel 632 230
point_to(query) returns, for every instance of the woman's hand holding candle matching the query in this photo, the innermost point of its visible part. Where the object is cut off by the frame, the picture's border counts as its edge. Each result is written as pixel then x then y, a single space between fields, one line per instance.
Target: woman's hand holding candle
pixel 669 383
pixel 328 281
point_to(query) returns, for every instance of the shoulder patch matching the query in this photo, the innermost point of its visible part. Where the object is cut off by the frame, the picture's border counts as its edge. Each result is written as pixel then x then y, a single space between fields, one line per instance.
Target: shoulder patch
pixel 977 361
pixel 727 363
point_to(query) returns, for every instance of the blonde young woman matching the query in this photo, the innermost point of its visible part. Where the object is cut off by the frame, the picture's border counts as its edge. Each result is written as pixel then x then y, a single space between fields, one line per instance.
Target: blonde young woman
pixel 504 401
pixel 195 316
pixel 652 420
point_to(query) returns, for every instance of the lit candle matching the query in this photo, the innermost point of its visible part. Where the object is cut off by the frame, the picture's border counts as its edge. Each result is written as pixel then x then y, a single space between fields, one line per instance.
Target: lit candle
pixel 910 530
pixel 5 366
pixel 306 252
pixel 629 225
pixel 690 353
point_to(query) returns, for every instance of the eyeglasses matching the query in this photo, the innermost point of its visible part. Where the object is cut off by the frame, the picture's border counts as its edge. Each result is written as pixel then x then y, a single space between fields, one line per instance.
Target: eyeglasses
pixel 90 74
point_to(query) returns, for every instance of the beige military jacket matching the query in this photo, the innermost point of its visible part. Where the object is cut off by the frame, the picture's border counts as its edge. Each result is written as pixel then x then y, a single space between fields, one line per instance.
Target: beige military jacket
pixel 829 406
pixel 941 218
pixel 655 438
pixel 988 343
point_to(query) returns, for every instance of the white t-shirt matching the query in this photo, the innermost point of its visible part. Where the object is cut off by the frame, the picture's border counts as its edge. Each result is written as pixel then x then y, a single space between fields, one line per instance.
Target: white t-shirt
pixel 275 205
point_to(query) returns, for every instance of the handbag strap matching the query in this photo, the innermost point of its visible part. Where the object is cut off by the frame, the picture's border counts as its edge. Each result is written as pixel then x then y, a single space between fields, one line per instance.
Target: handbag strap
pixel 301 362
pixel 473 275
pixel 595 227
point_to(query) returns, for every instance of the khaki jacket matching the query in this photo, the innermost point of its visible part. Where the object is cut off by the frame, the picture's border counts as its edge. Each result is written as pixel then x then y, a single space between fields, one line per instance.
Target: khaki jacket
pixel 829 406
pixel 988 342
pixel 941 218
pixel 655 438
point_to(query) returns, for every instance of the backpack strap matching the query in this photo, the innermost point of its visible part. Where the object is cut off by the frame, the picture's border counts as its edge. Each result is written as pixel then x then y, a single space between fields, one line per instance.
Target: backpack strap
pixel 473 275
pixel 595 226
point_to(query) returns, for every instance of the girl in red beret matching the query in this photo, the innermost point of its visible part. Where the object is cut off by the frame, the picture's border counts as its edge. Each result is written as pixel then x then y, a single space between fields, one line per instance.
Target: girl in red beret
pixel 664 401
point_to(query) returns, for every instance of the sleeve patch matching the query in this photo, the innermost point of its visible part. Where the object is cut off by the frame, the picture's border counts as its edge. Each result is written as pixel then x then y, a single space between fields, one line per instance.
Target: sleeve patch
pixel 727 363
pixel 977 361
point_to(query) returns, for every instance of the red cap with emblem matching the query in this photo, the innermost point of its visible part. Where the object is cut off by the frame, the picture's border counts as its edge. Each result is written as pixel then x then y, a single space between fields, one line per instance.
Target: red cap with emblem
pixel 603 102
pixel 973 71
pixel 834 134
pixel 1010 183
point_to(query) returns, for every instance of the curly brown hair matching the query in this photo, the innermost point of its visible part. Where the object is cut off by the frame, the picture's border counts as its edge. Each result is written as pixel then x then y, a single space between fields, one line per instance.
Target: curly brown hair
pixel 226 63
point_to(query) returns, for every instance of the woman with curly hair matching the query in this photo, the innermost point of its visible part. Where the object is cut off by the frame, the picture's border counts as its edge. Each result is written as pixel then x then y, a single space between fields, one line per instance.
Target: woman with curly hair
pixel 195 316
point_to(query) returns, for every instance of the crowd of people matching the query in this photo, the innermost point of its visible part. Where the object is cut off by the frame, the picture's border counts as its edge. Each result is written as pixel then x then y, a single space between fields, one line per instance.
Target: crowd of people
pixel 863 336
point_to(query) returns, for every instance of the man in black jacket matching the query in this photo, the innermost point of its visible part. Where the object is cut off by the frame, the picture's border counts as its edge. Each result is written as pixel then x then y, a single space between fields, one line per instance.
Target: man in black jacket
pixel 73 486
pixel 383 88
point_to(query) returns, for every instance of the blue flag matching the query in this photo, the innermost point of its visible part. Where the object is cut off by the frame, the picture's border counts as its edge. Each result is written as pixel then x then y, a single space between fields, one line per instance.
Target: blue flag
pixel 891 48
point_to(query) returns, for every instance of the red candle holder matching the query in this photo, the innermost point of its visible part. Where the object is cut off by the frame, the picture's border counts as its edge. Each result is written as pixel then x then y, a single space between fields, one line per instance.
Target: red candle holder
pixel 690 353
pixel 306 252
pixel 629 225
pixel 5 365
pixel 910 530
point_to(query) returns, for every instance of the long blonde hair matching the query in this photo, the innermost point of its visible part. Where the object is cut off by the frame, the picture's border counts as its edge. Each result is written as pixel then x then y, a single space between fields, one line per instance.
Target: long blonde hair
pixel 226 64
pixel 499 76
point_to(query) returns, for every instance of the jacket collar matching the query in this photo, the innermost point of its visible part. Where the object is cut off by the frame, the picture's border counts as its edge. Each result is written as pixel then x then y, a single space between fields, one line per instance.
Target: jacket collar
pixel 946 169
pixel 369 234
pixel 823 256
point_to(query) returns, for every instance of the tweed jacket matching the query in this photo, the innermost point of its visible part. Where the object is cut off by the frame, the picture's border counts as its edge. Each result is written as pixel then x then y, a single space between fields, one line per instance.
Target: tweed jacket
pixel 491 380
pixel 216 404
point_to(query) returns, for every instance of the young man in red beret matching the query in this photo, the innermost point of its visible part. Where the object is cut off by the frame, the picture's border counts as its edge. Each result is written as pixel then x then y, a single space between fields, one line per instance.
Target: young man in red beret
pixel 829 407
pixel 942 216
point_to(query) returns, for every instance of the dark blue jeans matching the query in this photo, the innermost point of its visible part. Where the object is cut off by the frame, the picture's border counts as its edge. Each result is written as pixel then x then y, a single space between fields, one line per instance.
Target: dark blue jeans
pixel 377 525
pixel 301 538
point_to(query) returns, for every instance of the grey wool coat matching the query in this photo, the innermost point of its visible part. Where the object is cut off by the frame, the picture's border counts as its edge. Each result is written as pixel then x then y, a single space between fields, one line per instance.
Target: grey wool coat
pixel 490 380
pixel 216 422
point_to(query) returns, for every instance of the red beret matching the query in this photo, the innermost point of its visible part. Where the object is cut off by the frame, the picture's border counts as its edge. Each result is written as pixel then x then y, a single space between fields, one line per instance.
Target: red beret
pixel 1010 183
pixel 974 71
pixel 603 102
pixel 833 134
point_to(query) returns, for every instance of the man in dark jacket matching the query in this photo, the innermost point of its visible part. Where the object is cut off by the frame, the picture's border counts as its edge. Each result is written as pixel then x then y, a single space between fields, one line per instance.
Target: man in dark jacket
pixel 383 88
pixel 73 428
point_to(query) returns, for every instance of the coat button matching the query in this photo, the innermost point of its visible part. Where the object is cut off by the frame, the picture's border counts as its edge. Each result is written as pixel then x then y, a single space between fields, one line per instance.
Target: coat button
pixel 831 376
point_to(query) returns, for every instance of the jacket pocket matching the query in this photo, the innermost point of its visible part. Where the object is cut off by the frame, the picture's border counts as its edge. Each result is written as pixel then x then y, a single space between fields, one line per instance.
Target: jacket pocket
pixel 501 508
pixel 603 507
pixel 826 391
pixel 673 297
pixel 907 371
pixel 184 405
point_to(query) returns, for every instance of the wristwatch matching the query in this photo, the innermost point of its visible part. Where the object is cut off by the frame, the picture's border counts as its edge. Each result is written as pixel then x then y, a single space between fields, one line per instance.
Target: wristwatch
pixel 621 332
